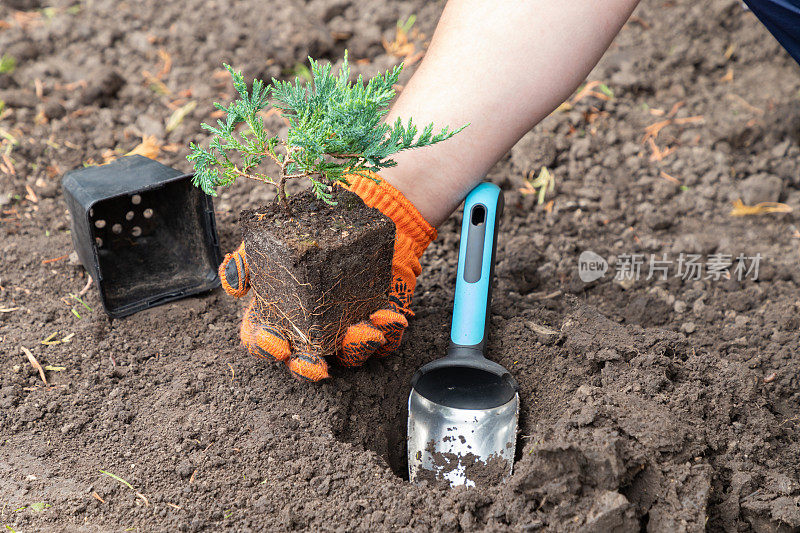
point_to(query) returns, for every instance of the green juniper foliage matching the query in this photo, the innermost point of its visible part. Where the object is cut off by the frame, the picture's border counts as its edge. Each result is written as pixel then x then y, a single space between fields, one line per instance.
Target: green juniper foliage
pixel 335 129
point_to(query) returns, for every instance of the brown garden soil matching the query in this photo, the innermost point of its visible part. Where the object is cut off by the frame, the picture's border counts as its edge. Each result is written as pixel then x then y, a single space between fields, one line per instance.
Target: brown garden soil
pixel 652 405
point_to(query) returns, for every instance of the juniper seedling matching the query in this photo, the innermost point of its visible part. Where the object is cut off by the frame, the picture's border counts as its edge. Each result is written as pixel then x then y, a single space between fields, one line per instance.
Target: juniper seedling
pixel 335 130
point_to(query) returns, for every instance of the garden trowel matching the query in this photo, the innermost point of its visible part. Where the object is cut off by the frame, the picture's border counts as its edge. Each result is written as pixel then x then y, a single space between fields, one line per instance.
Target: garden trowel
pixel 463 408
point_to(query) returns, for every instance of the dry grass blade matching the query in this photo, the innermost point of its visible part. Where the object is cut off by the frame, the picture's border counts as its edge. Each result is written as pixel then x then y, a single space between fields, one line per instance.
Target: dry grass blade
pixel 401 46
pixel 149 147
pixel 35 364
pixel 742 210
pixel 545 182
pixel 8 166
pixel 747 105
pixel 167 66
pixel 588 90
pixel 652 131
pixel 49 340
pixel 728 77
pixel 86 287
pixel 640 21
pixel 31 194
pixel 54 259
pixel 674 109
pixel 138 494
pixel 657 153
pixel 155 84
pixel 114 476
pixel 688 120
pixel 541 329
pixel 672 179
pixel 179 114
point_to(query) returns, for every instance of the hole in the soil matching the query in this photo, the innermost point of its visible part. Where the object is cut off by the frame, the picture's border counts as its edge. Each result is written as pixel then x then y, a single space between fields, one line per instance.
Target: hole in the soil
pixel 129 215
pixel 478 215
pixel 136 231
pixel 520 447
pixel 377 423
pixel 148 213
pixel 100 224
pixel 117 228
pixel 643 521
pixel 136 199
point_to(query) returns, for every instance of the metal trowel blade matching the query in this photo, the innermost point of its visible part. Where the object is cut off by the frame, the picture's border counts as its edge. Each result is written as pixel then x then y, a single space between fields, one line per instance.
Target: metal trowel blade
pixel 461 446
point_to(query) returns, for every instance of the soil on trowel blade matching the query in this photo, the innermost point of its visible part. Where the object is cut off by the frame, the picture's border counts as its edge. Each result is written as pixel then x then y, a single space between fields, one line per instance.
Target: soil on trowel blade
pixel 646 405
pixel 478 472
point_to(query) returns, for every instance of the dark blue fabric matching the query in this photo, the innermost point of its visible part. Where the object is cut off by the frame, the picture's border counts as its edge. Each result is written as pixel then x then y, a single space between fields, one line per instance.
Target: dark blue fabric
pixel 782 19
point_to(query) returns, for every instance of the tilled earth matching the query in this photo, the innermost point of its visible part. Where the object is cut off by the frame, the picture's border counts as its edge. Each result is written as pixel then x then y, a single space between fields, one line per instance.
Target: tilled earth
pixel 650 404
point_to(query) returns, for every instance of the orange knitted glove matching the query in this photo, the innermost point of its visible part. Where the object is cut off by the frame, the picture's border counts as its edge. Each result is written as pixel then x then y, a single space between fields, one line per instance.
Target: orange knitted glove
pixel 259 337
pixel 384 330
pixel 234 273
pixel 413 234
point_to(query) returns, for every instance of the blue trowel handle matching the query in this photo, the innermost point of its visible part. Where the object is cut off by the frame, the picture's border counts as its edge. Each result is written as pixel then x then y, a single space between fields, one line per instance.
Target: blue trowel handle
pixel 482 210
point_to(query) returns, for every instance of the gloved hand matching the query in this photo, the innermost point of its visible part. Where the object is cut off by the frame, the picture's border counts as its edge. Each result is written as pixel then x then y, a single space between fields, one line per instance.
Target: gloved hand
pixel 383 332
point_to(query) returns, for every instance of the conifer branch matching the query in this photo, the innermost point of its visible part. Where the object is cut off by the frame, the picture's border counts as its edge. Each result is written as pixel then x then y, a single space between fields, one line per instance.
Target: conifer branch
pixel 336 128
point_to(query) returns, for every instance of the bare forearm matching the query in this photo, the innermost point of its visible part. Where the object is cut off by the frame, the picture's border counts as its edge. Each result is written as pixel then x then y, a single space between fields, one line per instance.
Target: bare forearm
pixel 501 67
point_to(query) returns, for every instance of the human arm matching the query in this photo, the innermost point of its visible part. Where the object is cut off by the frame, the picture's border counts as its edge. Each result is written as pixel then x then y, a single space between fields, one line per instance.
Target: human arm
pixel 500 67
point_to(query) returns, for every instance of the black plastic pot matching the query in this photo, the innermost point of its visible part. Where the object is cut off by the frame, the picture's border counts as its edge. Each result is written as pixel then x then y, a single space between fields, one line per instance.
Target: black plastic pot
pixel 142 230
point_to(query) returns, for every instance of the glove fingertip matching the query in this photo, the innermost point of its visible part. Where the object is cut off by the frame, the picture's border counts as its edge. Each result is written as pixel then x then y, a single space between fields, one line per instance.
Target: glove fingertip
pixel 262 340
pixel 360 342
pixel 308 366
pixel 362 332
pixel 234 274
pixel 388 318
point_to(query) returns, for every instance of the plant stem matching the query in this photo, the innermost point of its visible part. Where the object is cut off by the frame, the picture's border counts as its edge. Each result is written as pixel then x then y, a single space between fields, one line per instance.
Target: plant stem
pixel 282 195
pixel 256 177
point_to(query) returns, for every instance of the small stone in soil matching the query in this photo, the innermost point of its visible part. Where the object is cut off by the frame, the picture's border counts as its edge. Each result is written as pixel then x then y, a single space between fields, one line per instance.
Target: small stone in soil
pixel 185 468
pixel 54 110
pixel 761 188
